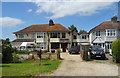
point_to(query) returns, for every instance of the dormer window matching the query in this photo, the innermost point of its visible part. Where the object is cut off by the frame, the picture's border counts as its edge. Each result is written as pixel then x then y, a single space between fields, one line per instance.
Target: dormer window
pixel 97 33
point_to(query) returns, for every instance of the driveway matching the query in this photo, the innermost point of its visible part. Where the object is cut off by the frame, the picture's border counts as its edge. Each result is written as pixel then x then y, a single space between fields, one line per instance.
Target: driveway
pixel 73 65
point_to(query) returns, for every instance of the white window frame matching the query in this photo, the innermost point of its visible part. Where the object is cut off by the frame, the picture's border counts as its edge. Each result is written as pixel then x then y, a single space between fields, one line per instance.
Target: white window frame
pixel 53 33
pixel 98 33
pixel 110 32
pixel 40 35
pixel 21 35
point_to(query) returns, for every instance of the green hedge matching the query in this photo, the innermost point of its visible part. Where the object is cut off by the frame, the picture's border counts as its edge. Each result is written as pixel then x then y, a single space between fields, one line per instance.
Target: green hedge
pixel 23 52
pixel 116 50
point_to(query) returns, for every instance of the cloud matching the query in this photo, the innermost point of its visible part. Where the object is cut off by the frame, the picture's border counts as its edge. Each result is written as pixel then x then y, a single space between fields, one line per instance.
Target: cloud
pixel 65 8
pixel 10 22
pixel 29 10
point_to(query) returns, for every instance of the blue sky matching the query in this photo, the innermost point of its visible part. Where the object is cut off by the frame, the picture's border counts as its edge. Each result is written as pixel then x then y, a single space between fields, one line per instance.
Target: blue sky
pixel 18 15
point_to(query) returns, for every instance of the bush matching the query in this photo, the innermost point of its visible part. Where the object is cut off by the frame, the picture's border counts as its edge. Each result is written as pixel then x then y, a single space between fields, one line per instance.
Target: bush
pixel 116 50
pixel 15 58
pixel 7 51
pixel 23 52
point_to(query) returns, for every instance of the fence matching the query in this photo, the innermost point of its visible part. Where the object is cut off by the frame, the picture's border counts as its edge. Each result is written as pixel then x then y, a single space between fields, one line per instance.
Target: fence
pixel 84 49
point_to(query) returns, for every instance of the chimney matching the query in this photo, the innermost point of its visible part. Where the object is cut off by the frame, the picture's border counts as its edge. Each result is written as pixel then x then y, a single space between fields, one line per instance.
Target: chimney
pixel 114 19
pixel 51 23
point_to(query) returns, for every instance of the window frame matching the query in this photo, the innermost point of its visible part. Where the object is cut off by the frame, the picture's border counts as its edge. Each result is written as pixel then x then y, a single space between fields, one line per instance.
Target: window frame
pixel 40 35
pixel 110 32
pixel 98 33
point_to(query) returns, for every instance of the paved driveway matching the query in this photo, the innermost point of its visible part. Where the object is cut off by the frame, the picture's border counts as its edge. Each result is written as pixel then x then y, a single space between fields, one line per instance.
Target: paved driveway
pixel 73 65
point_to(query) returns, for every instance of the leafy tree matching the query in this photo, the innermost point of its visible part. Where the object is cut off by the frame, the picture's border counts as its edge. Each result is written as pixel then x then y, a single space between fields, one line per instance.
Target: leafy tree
pixel 73 28
pixel 7 51
pixel 82 31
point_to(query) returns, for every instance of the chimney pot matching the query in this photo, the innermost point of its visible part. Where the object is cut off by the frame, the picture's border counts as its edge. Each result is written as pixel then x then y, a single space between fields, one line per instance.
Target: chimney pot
pixel 51 23
pixel 114 19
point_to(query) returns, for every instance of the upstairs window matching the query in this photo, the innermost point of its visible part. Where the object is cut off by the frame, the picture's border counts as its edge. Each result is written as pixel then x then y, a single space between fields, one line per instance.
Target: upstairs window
pixel 74 37
pixel 110 32
pixel 84 36
pixel 97 33
pixel 54 35
pixel 63 35
pixel 21 35
pixel 40 35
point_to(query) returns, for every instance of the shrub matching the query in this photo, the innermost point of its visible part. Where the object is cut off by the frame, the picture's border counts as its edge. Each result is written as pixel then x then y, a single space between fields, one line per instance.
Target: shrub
pixel 116 50
pixel 23 52
pixel 15 58
pixel 7 51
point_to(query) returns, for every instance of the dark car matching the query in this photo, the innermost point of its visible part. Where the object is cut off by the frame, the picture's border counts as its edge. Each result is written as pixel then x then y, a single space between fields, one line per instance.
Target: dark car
pixel 97 52
pixel 74 50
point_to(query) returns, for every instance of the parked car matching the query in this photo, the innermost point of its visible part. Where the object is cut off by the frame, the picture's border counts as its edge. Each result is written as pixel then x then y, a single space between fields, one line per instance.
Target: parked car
pixel 97 52
pixel 74 50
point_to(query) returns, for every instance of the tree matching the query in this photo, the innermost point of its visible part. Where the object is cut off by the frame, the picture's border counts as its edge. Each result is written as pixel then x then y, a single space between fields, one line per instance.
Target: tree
pixel 82 31
pixel 73 28
pixel 74 33
pixel 7 51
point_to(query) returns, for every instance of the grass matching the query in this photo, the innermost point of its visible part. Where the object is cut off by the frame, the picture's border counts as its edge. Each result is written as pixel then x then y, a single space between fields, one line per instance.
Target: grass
pixel 29 68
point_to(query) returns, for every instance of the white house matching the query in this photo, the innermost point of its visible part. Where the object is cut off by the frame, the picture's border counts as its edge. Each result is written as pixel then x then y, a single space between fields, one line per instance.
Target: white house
pixel 105 33
pixel 47 37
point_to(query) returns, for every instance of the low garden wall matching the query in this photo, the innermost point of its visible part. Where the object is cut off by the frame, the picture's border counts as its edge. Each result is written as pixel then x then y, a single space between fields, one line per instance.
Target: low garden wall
pixel 34 56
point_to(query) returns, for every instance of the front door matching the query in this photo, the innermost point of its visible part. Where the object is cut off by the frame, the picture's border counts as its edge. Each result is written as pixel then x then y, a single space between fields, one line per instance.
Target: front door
pixel 64 46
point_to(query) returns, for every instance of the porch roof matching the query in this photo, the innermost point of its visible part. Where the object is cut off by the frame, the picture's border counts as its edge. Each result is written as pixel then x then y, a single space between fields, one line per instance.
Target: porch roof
pixel 98 40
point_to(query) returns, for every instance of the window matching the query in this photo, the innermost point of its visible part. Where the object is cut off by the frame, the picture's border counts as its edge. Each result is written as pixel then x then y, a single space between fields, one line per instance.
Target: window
pixel 63 35
pixel 40 35
pixel 74 37
pixel 108 45
pixel 55 35
pixel 27 35
pixel 41 45
pixel 97 33
pixel 110 32
pixel 84 36
pixel 21 36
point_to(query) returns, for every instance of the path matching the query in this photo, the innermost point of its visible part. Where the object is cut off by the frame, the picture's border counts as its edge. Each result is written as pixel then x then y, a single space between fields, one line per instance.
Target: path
pixel 73 65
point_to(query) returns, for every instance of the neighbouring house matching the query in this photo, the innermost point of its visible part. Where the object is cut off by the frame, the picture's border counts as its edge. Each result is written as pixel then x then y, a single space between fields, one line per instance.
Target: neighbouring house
pixel 105 33
pixel 83 38
pixel 44 36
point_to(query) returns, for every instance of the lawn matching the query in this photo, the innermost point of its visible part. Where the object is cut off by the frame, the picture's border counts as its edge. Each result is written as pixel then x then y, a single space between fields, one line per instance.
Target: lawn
pixel 29 68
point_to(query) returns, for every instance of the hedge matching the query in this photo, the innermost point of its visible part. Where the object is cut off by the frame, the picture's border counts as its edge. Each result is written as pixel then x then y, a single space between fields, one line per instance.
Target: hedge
pixel 116 50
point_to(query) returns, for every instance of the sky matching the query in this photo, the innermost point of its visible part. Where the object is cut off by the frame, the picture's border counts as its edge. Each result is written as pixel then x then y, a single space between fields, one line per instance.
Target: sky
pixel 82 14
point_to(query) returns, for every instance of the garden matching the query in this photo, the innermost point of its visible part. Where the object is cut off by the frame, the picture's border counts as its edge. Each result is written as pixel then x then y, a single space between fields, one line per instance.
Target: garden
pixel 26 63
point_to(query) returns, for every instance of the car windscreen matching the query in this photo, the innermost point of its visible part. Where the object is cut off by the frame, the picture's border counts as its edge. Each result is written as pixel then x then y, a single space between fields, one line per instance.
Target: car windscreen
pixel 96 49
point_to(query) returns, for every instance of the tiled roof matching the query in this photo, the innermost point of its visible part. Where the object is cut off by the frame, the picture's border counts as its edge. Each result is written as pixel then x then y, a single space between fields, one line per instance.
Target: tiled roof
pixel 44 28
pixel 23 40
pixel 107 25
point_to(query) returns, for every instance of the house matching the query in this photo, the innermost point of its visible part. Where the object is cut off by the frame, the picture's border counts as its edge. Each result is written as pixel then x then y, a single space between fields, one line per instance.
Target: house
pixel 45 36
pixel 105 33
pixel 84 38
